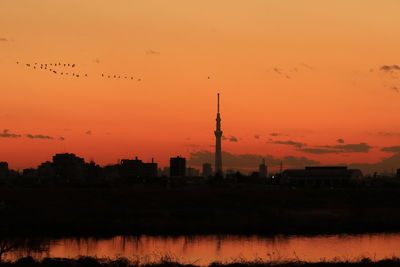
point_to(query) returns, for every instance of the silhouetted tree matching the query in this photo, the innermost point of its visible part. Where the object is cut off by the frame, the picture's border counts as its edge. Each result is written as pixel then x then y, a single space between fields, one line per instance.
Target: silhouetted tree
pixel 26 244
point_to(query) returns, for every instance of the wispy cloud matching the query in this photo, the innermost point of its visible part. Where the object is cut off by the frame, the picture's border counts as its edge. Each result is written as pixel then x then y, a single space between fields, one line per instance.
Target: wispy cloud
pixel 319 151
pixel 6 134
pixel 230 139
pixel 191 145
pixel 349 148
pixel 390 76
pixel 385 165
pixel 88 132
pixel 257 136
pixel 390 67
pixel 290 143
pixel 275 134
pixel 2 39
pixel 389 134
pixel 395 149
pixel 150 52
pixel 233 139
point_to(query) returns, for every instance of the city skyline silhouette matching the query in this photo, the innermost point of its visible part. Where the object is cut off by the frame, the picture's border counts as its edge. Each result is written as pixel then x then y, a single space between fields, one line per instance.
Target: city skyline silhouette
pixel 175 133
pixel 387 166
pixel 295 84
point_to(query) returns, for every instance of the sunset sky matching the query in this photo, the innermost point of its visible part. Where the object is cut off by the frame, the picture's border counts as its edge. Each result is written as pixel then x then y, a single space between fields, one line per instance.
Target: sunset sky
pixel 306 81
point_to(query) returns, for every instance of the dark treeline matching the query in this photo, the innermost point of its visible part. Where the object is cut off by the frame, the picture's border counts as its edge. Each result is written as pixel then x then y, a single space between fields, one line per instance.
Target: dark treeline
pixel 198 209
pixel 122 262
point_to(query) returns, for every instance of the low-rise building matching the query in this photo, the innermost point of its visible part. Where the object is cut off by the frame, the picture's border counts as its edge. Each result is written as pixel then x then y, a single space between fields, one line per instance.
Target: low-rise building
pixel 321 176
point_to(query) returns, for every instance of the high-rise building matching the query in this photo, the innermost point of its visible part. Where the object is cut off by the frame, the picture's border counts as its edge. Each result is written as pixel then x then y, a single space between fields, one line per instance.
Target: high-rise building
pixel 207 170
pixel 177 167
pixel 218 136
pixel 262 169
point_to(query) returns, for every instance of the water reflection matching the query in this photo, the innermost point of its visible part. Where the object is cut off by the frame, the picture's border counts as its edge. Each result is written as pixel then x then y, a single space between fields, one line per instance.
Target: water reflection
pixel 206 249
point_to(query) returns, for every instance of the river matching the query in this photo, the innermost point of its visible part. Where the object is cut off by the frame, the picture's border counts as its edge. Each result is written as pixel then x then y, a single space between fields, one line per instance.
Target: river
pixel 202 250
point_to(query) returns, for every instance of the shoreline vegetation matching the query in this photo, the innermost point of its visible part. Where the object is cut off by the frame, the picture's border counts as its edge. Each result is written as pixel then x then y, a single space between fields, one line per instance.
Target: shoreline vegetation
pixel 197 210
pixel 123 262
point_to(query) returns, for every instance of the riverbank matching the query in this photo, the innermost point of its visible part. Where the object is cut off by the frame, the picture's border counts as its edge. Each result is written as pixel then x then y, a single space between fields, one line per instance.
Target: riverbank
pixel 122 262
pixel 152 210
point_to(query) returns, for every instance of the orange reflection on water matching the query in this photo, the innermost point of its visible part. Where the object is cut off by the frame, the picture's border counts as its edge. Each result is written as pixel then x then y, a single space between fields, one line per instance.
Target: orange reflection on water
pixel 203 250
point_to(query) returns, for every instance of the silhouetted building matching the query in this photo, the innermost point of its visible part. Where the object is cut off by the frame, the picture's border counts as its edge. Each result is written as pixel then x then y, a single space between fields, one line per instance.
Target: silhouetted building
pixel 230 172
pixel 218 149
pixel 30 176
pixel 3 167
pixel 262 169
pixel 69 167
pixel 177 166
pixel 321 176
pixel 112 172
pixel 207 170
pixel 135 168
pixel 165 172
pixel 150 169
pixel 192 172
pixel 93 173
pixel 131 168
pixel 29 172
pixel 47 172
pixel 4 171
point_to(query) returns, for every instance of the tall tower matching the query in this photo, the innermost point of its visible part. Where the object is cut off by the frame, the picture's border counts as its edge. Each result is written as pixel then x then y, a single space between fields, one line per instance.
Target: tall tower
pixel 218 136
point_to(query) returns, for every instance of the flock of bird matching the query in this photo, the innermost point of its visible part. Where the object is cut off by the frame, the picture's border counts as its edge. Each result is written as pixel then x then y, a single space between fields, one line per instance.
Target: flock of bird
pixel 68 69
pixel 118 77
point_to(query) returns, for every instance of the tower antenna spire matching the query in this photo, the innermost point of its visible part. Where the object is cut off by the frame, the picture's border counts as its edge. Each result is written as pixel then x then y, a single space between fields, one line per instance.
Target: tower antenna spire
pixel 218 102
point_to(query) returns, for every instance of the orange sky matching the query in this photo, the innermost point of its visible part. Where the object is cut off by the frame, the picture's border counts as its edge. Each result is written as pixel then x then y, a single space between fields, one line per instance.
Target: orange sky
pixel 309 70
